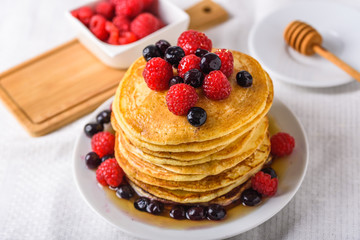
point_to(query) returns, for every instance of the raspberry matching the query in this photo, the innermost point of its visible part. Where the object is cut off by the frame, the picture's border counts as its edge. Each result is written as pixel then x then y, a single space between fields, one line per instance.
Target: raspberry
pixel 264 184
pixel 187 63
pixel 216 86
pixel 103 143
pixel 127 37
pixel 227 61
pixel 122 23
pixel 180 98
pixel 145 24
pixel 282 144
pixel 75 13
pixel 97 27
pixel 115 2
pixel 113 38
pixel 148 4
pixel 191 40
pixel 114 33
pixel 110 27
pixel 110 173
pixel 157 74
pixel 151 6
pixel 85 14
pixel 105 9
pixel 129 8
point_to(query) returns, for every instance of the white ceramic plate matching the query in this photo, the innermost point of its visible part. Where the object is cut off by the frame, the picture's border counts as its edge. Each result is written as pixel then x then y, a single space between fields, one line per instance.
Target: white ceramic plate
pixel 338 26
pixel 127 220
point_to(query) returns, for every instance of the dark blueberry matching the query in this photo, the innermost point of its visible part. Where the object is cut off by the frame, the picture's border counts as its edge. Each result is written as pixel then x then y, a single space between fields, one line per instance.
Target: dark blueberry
pixel 216 212
pixel 106 157
pixel 125 191
pixel 270 171
pixel 103 117
pixel 201 52
pixel 92 160
pixel 162 45
pixel 250 197
pixel 196 116
pixel 196 213
pixel 210 62
pixel 141 203
pixel 244 79
pixel 178 212
pixel 150 52
pixel 91 129
pixel 173 55
pixel 155 207
pixel 194 77
pixel 175 80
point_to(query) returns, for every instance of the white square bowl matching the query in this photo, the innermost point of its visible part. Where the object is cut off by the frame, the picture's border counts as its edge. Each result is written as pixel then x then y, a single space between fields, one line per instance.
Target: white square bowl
pixel 122 56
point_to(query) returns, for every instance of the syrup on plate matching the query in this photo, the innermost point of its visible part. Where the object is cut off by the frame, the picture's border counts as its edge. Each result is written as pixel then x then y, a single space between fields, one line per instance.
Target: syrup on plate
pixel 234 210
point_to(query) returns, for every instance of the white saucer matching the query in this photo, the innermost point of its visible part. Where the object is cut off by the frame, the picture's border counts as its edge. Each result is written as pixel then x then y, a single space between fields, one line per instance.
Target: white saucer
pixel 127 219
pixel 339 26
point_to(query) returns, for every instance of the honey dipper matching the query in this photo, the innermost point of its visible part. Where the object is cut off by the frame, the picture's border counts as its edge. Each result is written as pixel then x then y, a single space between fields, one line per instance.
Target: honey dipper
pixel 306 40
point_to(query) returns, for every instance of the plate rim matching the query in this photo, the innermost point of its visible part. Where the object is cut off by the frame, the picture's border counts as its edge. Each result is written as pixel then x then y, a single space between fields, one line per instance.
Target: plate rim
pixel 75 158
pixel 279 75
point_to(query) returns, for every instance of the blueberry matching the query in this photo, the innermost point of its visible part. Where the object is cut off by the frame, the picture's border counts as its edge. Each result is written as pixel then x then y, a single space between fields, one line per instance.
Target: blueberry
pixel 150 52
pixel 244 79
pixel 92 160
pixel 155 207
pixel 194 77
pixel 216 212
pixel 162 45
pixel 125 191
pixel 250 197
pixel 103 117
pixel 196 116
pixel 91 129
pixel 210 62
pixel 270 171
pixel 201 52
pixel 178 212
pixel 175 80
pixel 196 213
pixel 106 157
pixel 141 203
pixel 173 55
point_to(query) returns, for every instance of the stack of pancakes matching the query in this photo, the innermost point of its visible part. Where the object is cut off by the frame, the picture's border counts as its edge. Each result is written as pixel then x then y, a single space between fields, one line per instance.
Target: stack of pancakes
pixel 166 158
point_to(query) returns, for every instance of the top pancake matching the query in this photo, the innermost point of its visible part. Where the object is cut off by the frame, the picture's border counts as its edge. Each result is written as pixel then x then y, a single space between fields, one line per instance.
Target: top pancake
pixel 142 113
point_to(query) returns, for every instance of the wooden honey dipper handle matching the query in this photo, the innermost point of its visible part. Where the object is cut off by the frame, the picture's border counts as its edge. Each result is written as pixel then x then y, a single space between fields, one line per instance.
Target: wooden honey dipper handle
pixel 337 61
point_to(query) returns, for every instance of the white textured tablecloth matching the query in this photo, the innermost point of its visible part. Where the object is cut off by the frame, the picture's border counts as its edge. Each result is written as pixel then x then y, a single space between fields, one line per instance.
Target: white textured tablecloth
pixel 38 197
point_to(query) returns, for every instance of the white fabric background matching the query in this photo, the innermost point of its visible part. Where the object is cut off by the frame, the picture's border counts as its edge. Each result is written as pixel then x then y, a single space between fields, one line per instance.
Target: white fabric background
pixel 38 198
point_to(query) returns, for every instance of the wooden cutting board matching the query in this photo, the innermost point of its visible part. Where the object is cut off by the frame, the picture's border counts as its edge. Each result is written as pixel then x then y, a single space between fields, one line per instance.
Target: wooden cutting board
pixel 65 83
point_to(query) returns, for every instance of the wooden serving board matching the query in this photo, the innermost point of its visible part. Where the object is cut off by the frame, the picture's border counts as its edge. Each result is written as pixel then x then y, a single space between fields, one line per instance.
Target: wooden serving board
pixel 63 84
pixel 57 87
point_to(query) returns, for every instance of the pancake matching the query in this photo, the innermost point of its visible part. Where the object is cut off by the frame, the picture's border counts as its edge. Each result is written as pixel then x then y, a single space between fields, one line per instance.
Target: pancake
pixel 201 157
pixel 211 167
pixel 165 158
pixel 143 114
pixel 181 196
pixel 217 165
pixel 223 200
pixel 231 150
pixel 211 182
